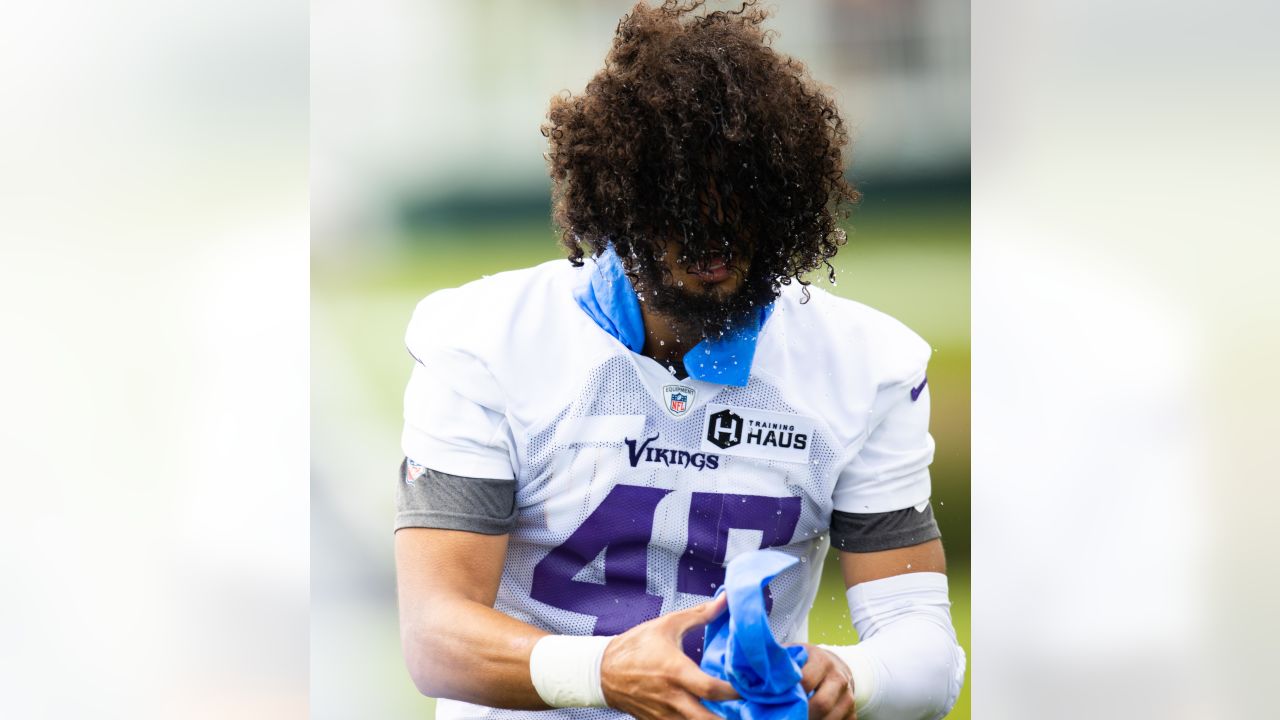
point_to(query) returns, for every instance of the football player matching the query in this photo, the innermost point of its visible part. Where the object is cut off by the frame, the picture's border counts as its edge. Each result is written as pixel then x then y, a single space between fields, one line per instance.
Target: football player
pixel 589 442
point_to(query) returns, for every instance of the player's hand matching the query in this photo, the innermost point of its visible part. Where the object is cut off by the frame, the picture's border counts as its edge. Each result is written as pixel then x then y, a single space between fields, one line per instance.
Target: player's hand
pixel 833 681
pixel 646 674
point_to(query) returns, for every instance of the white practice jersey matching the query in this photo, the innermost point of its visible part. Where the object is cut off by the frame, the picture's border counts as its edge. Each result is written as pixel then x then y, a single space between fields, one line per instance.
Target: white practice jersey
pixel 635 488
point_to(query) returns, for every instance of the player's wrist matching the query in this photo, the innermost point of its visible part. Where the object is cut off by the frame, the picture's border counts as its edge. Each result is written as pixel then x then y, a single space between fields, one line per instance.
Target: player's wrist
pixel 861 671
pixel 565 670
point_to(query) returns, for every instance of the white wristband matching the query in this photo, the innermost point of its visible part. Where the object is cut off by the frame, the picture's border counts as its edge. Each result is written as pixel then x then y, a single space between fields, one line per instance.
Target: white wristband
pixel 566 670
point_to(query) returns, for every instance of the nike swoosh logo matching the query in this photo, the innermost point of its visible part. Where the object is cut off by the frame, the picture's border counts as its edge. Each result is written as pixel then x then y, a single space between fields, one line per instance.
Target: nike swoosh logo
pixel 915 391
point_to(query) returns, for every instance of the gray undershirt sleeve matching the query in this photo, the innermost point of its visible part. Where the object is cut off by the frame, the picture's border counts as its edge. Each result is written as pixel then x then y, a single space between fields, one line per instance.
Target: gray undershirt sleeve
pixel 449 502
pixel 873 532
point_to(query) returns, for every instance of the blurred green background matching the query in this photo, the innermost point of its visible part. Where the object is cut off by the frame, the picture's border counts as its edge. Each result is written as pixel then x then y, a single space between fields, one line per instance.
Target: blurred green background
pixel 427 172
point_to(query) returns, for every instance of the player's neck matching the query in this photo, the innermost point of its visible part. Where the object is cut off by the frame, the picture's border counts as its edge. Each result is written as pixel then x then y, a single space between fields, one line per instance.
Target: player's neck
pixel 663 339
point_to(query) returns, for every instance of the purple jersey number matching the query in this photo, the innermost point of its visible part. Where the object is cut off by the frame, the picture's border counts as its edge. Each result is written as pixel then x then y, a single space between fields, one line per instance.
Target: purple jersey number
pixel 711 517
pixel 622 523
pixel 622 526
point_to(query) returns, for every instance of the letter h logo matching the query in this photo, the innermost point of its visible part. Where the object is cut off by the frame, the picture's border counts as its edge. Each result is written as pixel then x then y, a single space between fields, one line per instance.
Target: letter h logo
pixel 724 429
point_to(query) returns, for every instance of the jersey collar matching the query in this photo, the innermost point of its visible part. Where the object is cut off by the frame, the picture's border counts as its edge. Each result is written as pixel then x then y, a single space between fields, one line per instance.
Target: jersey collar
pixel 609 299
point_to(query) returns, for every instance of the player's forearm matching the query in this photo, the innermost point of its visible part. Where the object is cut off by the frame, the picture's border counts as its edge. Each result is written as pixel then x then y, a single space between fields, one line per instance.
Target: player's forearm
pixel 918 669
pixel 463 650
pixel 908 665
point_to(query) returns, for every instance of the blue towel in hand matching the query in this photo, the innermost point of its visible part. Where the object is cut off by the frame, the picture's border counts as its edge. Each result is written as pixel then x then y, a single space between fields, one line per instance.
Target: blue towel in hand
pixel 741 649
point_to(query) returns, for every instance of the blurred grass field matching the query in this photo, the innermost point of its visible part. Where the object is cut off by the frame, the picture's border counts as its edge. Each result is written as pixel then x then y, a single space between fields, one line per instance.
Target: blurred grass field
pixel 909 259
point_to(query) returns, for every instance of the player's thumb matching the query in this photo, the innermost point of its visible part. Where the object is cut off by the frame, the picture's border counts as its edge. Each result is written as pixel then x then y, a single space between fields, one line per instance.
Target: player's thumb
pixel 699 615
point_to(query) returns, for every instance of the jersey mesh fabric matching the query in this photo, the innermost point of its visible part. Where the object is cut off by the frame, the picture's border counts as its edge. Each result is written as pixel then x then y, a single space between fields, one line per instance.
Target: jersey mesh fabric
pixel 564 475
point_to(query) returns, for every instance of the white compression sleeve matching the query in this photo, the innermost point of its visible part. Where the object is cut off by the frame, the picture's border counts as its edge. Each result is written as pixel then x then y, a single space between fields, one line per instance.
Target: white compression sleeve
pixel 907 665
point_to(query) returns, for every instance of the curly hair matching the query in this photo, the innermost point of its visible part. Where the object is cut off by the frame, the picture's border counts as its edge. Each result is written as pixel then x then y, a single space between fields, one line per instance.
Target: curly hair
pixel 696 131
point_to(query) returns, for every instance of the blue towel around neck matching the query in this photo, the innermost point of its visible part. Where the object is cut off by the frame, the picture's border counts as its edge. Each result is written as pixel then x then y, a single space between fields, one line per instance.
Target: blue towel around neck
pixel 610 300
pixel 740 648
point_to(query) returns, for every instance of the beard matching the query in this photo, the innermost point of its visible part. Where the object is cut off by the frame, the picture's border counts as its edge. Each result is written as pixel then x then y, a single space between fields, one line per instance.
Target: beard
pixel 703 313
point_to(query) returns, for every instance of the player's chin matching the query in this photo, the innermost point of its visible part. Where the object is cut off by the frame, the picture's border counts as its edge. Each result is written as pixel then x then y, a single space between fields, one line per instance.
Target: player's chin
pixel 723 291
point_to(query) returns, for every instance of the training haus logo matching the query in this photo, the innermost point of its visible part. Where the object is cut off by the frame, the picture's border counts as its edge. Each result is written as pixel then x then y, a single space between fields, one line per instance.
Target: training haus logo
pixel 758 433
pixel 679 398
pixel 637 451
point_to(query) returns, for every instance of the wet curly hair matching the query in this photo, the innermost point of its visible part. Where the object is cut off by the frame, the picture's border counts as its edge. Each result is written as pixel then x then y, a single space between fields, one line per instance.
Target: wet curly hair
pixel 696 131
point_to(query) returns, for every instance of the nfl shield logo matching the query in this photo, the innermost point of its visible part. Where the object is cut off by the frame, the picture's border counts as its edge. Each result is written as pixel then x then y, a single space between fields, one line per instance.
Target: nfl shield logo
pixel 679 398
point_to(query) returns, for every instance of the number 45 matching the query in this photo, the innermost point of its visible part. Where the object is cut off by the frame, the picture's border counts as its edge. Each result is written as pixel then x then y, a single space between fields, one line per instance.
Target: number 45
pixel 622 525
